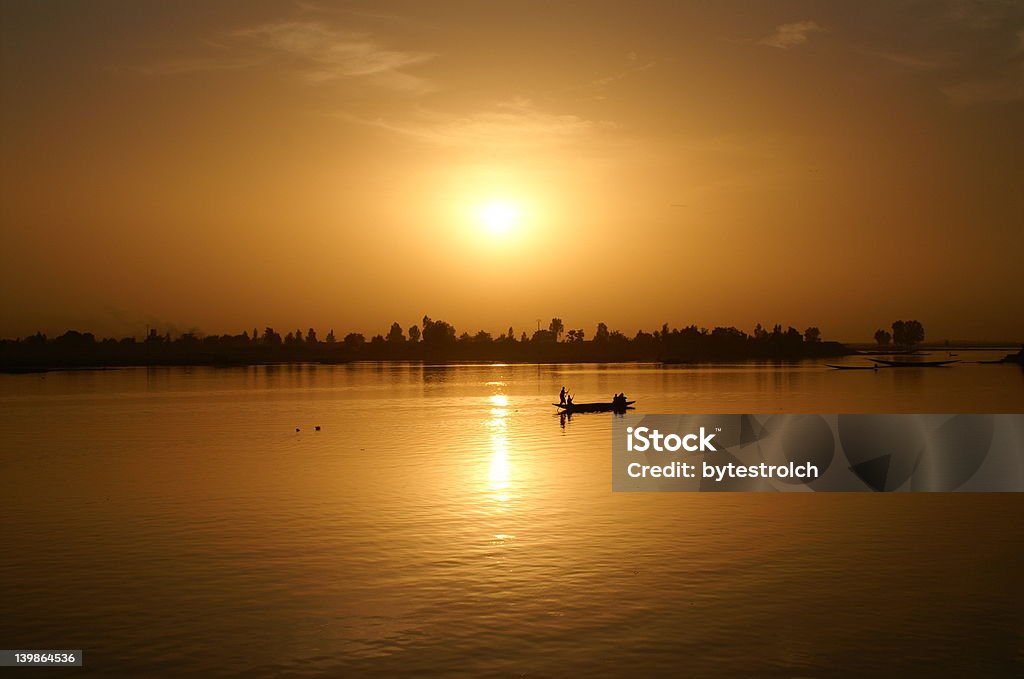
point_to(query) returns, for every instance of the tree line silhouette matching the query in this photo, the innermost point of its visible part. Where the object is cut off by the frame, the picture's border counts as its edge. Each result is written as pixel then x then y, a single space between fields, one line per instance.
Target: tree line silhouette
pixel 905 335
pixel 431 340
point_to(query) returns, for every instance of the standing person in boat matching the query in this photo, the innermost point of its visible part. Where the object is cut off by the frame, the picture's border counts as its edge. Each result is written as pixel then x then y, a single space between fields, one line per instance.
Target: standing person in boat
pixel 561 396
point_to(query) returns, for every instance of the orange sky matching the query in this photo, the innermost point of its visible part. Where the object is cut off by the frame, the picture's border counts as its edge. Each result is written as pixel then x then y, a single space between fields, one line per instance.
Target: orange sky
pixel 225 165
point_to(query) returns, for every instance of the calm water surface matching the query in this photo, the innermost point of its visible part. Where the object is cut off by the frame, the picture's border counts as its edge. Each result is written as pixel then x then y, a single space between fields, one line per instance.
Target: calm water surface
pixel 444 522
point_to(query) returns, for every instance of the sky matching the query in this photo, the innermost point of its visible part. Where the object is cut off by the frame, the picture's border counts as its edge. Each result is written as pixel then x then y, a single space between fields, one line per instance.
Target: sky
pixel 218 166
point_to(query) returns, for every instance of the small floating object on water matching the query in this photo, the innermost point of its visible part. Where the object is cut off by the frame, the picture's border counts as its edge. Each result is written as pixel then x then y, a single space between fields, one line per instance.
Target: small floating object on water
pixel 296 428
pixel 317 427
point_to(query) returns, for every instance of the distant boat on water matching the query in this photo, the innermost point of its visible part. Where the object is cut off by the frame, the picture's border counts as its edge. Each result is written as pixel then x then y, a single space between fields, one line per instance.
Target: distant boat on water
pixel 914 364
pixel 852 367
pixel 608 407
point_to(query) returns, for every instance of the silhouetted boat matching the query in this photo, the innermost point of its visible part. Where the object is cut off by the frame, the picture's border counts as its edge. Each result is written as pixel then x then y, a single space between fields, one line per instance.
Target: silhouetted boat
pixel 913 364
pixel 595 407
pixel 853 367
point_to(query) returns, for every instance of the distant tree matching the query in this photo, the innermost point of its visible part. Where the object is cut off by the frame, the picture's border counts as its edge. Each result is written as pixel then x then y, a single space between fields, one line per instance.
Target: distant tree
pixel 812 334
pixel 483 337
pixel 907 334
pixel 311 336
pixel 759 332
pixel 354 341
pixel 601 335
pixel 579 334
pixel 899 333
pixel 465 337
pixel 543 336
pixel 511 334
pixel 330 337
pixel 556 327
pixel 73 338
pixel 523 338
pixel 414 333
pixel 883 337
pixel 395 335
pixel 377 341
pixel 437 333
pixel 270 337
pixel 570 336
pixel 298 336
pixel 37 339
pixel 915 333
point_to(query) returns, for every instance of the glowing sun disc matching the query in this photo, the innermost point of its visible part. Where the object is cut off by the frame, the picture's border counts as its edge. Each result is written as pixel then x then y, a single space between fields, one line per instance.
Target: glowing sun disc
pixel 498 217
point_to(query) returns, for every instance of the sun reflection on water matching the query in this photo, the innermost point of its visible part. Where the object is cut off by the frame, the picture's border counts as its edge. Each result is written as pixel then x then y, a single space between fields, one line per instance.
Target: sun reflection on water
pixel 500 470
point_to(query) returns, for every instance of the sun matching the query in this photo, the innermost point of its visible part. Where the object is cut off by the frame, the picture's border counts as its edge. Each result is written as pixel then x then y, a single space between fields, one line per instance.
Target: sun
pixel 499 216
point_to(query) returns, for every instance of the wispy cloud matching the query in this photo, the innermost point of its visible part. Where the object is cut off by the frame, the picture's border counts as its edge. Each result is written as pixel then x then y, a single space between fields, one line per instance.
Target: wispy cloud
pixel 791 35
pixel 513 124
pixel 316 51
pixel 323 53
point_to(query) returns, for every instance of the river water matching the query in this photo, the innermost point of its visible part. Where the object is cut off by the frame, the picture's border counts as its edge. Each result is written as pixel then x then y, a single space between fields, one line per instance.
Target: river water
pixel 445 522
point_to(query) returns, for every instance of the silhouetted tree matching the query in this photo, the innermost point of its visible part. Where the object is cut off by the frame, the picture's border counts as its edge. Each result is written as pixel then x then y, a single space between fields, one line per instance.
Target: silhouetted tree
pixel 354 341
pixel 270 337
pixel 907 334
pixel 812 334
pixel 556 327
pixel 601 335
pixel 330 337
pixel 395 335
pixel 311 336
pixel 883 337
pixel 511 334
pixel 541 336
pixel 437 333
pixel 414 333
pixel 73 338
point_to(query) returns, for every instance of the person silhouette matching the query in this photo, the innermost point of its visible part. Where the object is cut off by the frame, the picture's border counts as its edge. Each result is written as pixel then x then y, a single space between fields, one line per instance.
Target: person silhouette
pixel 561 397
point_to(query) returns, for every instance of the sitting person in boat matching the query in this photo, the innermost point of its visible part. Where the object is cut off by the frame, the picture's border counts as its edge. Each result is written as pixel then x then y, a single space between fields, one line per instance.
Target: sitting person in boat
pixel 619 400
pixel 568 400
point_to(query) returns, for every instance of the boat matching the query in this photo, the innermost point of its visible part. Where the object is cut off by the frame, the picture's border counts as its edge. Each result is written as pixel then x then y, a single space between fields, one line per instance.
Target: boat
pixel 608 407
pixel 914 364
pixel 852 367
